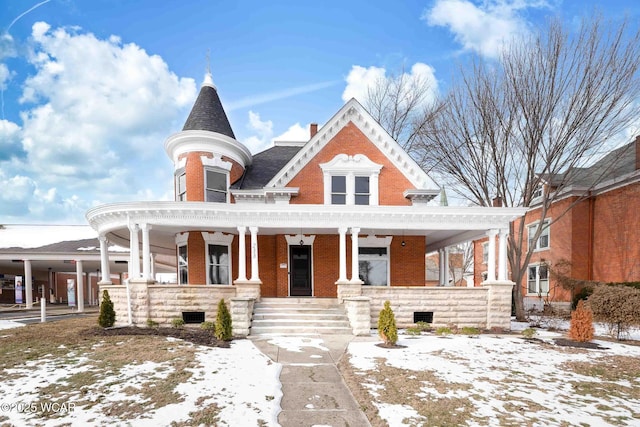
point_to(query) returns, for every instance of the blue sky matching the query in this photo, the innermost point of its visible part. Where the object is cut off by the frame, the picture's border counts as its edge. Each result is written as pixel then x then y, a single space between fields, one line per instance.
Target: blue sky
pixel 92 88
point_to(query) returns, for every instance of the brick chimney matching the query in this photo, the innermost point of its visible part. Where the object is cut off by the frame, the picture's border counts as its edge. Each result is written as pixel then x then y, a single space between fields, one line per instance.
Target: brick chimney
pixel 637 152
pixel 497 202
pixel 313 129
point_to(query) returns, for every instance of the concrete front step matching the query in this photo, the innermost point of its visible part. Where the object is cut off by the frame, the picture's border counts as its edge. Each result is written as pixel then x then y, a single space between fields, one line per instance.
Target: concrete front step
pixel 299 316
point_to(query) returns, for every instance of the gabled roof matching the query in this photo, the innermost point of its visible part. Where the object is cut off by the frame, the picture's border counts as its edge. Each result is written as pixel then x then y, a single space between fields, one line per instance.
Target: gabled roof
pixel 207 112
pixel 616 164
pixel 265 166
pixel 354 112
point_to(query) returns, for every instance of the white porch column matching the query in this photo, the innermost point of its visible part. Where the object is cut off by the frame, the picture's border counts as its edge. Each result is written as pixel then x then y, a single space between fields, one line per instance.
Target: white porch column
pixel 255 277
pixel 491 262
pixel 104 261
pixel 441 267
pixel 445 270
pixel 80 286
pixel 134 248
pixel 153 266
pixel 502 255
pixel 343 255
pixel 242 254
pixel 146 252
pixel 28 292
pixel 355 267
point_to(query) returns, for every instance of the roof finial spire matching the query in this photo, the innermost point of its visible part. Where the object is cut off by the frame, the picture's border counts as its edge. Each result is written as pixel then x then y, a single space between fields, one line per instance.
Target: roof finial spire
pixel 208 78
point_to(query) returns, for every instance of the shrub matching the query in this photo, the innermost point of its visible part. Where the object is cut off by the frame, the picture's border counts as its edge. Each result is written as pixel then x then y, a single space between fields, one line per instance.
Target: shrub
pixel 413 331
pixel 581 328
pixel 469 330
pixel 443 330
pixel 223 328
pixel 424 326
pixel 387 325
pixel 177 322
pixel 617 306
pixel 529 333
pixel 582 294
pixel 151 324
pixel 208 326
pixel 107 316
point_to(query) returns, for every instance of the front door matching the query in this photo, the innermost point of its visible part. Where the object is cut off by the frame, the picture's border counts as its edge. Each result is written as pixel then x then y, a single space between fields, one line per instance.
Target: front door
pixel 300 271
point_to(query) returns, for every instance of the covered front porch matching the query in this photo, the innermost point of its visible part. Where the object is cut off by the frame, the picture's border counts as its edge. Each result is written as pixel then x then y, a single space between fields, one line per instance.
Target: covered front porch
pixel 251 251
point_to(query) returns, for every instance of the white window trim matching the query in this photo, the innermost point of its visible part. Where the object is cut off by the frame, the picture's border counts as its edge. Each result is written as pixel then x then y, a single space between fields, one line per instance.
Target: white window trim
pixel 372 241
pixel 216 164
pixel 176 176
pixel 548 230
pixel 350 167
pixel 181 239
pixel 220 239
pixel 538 289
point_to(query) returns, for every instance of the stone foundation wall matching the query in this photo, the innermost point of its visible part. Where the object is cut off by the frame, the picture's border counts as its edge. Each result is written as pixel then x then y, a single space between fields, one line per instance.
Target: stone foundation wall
pixel 457 305
pixel 162 303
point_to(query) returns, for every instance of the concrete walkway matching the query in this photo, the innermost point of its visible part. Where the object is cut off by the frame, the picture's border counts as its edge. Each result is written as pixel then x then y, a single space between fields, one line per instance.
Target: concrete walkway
pixel 314 393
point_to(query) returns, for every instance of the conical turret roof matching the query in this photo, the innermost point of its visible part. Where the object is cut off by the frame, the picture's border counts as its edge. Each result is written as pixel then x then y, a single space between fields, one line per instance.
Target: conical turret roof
pixel 207 112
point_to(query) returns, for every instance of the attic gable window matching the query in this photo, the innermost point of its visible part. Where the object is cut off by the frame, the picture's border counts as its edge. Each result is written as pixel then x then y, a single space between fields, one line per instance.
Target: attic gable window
pixel 350 180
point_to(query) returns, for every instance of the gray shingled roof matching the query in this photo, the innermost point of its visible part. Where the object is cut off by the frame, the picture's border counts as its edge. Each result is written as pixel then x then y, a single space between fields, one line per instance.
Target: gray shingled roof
pixel 208 114
pixel 617 163
pixel 265 166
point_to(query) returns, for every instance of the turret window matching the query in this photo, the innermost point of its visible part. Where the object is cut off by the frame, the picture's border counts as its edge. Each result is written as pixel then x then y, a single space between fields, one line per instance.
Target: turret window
pixel 181 187
pixel 215 186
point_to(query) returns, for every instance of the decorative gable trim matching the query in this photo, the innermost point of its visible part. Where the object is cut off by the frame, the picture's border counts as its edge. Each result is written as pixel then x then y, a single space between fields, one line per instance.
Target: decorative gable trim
pixel 353 112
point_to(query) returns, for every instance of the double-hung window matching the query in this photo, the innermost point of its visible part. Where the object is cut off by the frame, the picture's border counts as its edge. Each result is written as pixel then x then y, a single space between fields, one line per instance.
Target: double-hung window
pixel 183 265
pixel 373 266
pixel 544 239
pixel 181 186
pixel 362 192
pixel 485 253
pixel 215 186
pixel 338 190
pixel 218 264
pixel 538 280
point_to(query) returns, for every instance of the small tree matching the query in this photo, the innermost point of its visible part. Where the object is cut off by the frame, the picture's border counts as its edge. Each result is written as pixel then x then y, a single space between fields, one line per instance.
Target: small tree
pixel 581 328
pixel 223 329
pixel 107 314
pixel 387 325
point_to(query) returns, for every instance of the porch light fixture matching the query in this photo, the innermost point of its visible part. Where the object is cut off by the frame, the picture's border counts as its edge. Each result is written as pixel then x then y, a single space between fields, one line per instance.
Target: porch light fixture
pixel 301 242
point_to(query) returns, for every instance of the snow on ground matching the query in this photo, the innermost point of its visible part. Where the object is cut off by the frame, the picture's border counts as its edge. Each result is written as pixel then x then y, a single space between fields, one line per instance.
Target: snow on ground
pixel 495 371
pixel 241 381
pixel 8 324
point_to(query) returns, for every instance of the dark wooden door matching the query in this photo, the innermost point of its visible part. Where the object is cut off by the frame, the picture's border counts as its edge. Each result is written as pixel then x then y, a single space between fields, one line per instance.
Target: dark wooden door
pixel 300 271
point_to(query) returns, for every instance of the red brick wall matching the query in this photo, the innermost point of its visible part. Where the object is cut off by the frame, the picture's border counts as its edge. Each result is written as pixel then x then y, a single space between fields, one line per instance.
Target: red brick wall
pixel 616 249
pixel 350 141
pixel 194 171
pixel 197 262
pixel 407 262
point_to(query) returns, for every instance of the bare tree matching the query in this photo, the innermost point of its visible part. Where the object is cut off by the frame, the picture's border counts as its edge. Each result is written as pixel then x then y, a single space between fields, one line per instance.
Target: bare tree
pixel 533 118
pixel 403 105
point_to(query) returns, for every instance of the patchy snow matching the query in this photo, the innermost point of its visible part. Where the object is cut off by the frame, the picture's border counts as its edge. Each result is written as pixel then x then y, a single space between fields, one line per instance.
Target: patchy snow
pixel 241 381
pixel 8 324
pixel 296 343
pixel 491 371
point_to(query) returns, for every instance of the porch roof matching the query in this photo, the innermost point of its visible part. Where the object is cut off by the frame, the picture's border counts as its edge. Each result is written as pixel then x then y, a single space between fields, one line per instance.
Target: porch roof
pixel 441 225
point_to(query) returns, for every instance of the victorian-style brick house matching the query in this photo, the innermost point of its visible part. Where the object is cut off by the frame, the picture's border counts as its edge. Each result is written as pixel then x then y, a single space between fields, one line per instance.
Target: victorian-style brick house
pixel 591 233
pixel 339 216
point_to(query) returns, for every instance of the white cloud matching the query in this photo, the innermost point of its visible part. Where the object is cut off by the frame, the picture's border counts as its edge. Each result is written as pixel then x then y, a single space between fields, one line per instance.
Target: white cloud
pixel 295 132
pixel 484 27
pixel 263 132
pixel 95 111
pixel 360 79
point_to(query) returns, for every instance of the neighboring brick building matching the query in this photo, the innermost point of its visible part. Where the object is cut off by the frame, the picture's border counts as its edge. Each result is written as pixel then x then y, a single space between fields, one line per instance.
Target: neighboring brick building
pixel 593 232
pixel 347 207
